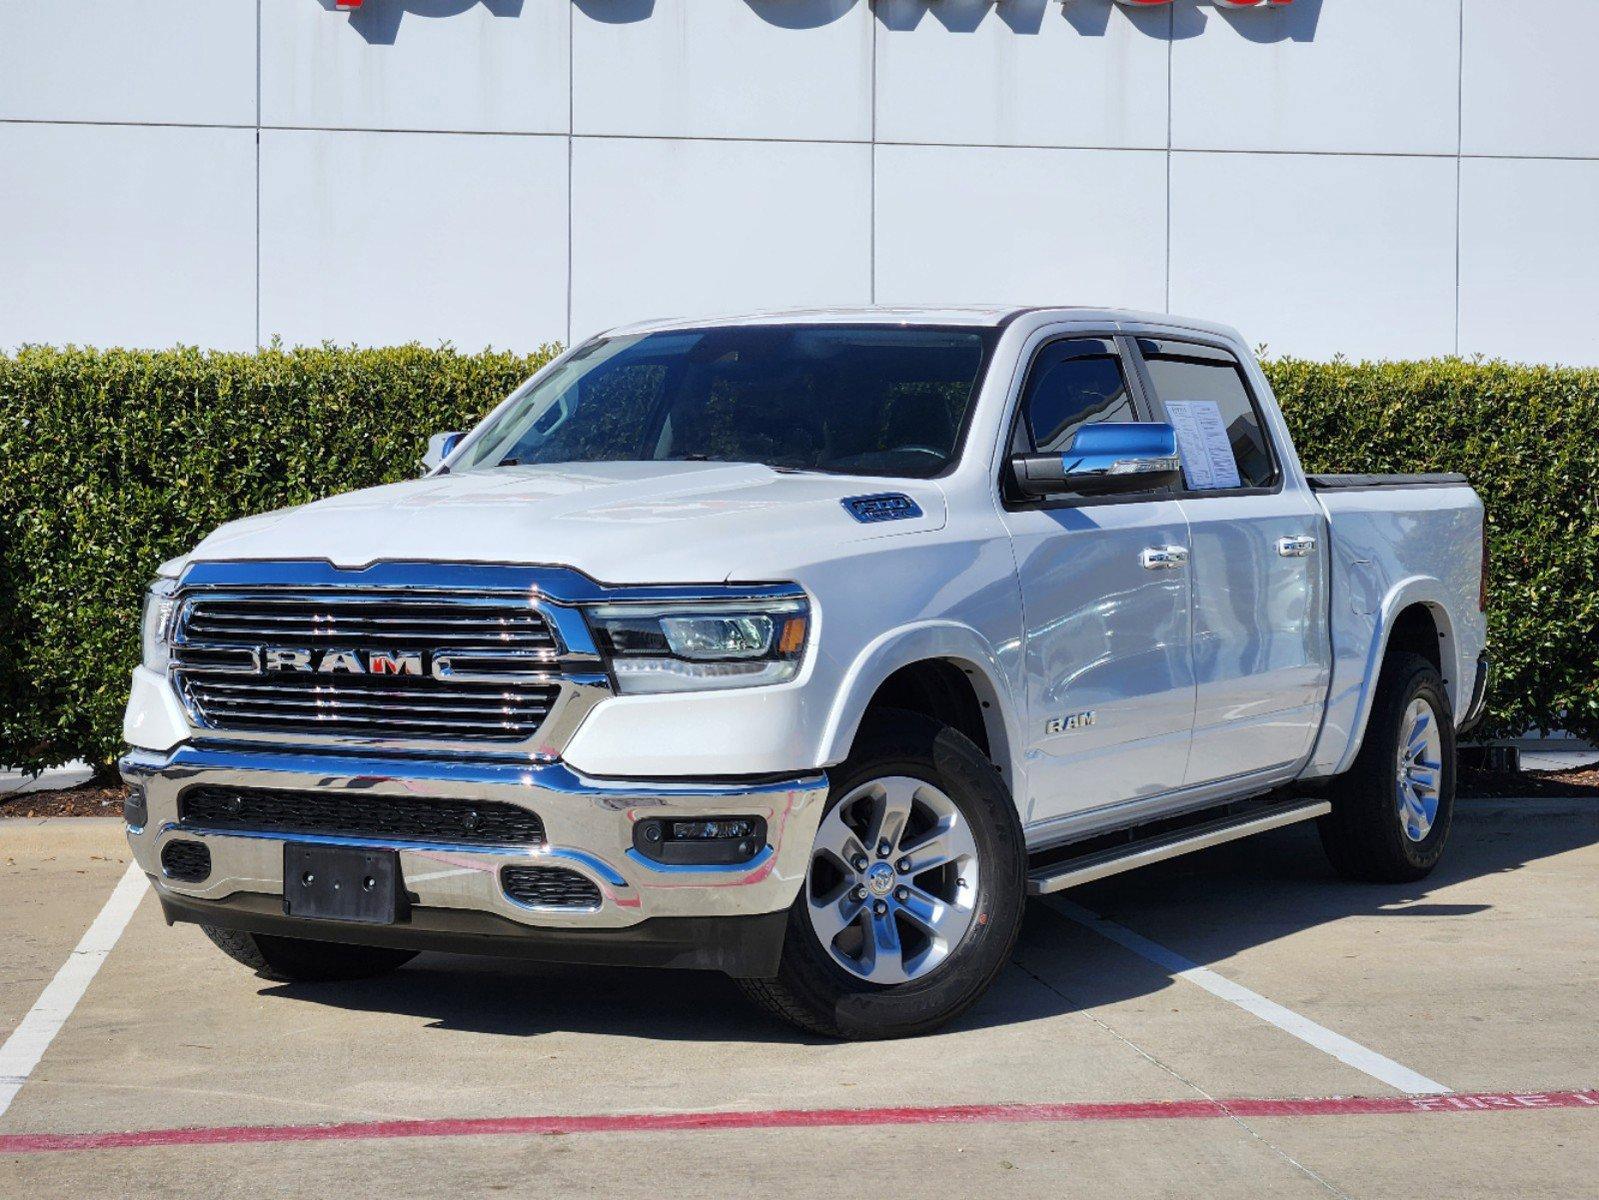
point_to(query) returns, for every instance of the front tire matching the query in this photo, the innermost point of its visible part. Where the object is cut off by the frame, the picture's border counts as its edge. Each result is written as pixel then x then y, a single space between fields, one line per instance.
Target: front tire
pixel 914 896
pixel 1392 810
pixel 300 960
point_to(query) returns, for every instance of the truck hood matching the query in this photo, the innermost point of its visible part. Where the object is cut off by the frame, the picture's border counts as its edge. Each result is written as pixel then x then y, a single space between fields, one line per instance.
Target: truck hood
pixel 625 522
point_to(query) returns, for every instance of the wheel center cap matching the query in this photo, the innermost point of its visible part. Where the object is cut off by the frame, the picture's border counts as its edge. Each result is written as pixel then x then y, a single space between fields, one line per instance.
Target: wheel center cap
pixel 880 878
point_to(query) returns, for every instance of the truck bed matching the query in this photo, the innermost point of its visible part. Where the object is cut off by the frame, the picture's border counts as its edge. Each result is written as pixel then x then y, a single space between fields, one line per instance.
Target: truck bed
pixel 1396 540
pixel 1335 483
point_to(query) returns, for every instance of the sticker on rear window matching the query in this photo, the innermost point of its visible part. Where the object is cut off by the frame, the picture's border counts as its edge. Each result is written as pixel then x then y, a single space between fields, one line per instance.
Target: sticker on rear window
pixel 1207 454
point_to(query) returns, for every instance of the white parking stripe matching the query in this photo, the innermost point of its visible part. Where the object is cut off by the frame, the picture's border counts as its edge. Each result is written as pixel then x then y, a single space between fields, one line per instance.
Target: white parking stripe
pixel 29 1040
pixel 1353 1054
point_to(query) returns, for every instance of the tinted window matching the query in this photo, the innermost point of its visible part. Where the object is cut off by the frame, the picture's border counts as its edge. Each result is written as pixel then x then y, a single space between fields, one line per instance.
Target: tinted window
pixel 870 400
pixel 1198 384
pixel 1064 392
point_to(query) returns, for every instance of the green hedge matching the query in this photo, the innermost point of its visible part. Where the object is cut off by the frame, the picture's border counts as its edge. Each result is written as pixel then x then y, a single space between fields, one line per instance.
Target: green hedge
pixel 1528 439
pixel 116 460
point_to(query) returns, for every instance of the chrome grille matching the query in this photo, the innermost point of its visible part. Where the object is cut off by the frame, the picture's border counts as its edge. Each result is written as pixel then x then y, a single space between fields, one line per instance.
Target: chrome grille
pixel 369 706
pixel 483 668
pixel 501 624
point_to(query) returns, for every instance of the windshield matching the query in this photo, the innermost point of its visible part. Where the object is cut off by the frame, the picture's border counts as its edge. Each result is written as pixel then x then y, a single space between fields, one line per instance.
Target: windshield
pixel 848 399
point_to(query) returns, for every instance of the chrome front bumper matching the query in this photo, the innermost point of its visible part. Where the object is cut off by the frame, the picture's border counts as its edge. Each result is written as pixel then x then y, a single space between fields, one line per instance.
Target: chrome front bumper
pixel 588 827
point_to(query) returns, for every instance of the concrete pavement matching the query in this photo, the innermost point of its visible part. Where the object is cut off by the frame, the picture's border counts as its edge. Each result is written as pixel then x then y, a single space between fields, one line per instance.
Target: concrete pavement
pixel 1482 978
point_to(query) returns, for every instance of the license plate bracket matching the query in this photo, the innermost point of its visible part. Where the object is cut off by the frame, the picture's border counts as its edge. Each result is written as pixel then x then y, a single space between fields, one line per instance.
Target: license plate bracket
pixel 342 883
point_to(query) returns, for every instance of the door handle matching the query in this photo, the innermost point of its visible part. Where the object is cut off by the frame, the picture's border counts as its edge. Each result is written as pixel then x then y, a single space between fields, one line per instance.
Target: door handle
pixel 1164 558
pixel 1296 547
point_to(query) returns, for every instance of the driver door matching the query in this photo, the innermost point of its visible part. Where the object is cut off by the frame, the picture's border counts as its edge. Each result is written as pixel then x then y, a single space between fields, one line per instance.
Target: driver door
pixel 1108 649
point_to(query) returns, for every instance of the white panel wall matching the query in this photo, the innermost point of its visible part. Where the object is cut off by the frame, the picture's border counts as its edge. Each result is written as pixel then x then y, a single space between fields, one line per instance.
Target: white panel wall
pixel 1371 177
pixel 693 228
pixel 500 67
pixel 1529 259
pixel 127 235
pixel 386 237
pixel 1019 74
pixel 1026 226
pixel 1366 76
pixel 1533 79
pixel 723 68
pixel 1347 254
pixel 167 61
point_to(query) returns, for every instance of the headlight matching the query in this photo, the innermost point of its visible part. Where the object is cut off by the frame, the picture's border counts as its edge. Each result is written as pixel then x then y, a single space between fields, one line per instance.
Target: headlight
pixel 157 623
pixel 691 648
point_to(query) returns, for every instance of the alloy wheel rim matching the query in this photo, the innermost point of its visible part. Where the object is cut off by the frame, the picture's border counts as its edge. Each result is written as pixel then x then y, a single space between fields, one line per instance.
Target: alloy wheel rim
pixel 893 879
pixel 1419 776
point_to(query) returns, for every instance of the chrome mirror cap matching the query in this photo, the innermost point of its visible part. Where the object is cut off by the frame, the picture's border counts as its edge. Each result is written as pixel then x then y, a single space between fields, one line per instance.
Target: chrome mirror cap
pixel 1110 457
pixel 440 447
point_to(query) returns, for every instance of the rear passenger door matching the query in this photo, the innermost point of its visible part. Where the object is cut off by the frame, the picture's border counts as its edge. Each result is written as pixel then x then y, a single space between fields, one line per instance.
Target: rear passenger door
pixel 1109 682
pixel 1258 568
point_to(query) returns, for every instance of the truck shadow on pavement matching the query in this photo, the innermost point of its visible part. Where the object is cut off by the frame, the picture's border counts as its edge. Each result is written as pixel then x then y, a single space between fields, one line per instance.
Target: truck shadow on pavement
pixel 1206 907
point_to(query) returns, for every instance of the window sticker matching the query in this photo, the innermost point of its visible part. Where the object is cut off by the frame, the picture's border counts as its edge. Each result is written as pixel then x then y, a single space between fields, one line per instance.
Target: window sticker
pixel 1207 454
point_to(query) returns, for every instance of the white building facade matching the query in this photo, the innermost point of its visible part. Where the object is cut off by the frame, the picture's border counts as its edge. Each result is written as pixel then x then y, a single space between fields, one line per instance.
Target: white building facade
pixel 1377 178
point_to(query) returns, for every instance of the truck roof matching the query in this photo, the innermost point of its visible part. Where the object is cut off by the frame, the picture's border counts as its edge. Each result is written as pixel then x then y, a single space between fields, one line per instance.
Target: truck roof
pixel 979 315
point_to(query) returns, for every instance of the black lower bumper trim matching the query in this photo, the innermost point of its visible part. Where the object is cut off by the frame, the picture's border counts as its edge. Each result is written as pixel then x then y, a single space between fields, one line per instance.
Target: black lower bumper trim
pixel 1479 694
pixel 743 947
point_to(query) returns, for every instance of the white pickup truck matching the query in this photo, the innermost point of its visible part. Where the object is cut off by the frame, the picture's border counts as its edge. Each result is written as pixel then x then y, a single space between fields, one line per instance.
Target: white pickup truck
pixel 803 646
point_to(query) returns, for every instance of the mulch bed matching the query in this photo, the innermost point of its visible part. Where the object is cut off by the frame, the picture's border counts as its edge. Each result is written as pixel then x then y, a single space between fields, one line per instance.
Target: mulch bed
pixel 86 800
pixel 1582 782
pixel 100 800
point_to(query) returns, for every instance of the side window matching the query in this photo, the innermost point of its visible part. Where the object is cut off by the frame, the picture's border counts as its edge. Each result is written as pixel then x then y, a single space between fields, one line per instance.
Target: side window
pixel 1066 390
pixel 1208 402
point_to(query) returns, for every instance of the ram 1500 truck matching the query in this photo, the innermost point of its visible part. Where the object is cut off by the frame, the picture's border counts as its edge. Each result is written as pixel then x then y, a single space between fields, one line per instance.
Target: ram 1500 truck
pixel 803 646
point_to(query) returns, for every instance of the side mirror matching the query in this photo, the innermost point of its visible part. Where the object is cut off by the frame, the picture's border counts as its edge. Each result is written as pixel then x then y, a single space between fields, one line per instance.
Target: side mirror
pixel 1103 459
pixel 439 447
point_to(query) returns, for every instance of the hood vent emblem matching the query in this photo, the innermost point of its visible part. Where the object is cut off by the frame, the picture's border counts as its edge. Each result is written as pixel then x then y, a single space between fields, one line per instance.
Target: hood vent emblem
pixel 886 506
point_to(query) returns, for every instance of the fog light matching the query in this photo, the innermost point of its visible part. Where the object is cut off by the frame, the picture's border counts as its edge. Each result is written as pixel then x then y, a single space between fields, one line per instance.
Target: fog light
pixel 700 841
pixel 135 810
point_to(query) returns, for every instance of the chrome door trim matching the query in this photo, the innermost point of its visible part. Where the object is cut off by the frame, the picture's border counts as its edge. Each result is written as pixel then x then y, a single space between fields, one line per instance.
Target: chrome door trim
pixel 1164 558
pixel 1296 547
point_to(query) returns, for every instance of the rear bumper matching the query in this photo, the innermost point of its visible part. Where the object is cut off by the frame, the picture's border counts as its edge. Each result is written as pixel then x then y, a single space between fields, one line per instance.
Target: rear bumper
pixel 648 913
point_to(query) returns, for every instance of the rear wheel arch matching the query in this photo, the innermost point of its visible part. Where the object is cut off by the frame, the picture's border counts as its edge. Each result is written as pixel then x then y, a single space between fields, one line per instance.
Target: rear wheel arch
pixel 1412 620
pixel 1422 628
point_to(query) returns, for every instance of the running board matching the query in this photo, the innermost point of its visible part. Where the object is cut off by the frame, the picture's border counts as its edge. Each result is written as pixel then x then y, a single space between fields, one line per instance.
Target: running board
pixel 1059 876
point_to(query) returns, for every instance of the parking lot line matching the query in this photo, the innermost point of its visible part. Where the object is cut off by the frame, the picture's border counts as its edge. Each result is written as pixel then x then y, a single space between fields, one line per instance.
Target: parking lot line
pixel 1351 1053
pixel 32 1037
pixel 800 1118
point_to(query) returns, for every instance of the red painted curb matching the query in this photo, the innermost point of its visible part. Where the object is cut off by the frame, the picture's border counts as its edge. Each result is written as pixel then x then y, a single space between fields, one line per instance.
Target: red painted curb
pixel 957 1114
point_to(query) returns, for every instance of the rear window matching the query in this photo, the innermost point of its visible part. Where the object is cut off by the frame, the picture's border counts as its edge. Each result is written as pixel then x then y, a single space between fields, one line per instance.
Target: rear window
pixel 1207 398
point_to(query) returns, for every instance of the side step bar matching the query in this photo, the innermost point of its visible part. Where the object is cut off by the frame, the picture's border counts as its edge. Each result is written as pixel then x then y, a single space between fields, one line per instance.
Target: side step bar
pixel 1059 876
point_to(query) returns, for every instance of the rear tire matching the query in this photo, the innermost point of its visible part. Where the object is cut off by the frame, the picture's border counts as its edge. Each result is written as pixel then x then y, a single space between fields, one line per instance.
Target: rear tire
pixel 1391 811
pixel 924 927
pixel 300 960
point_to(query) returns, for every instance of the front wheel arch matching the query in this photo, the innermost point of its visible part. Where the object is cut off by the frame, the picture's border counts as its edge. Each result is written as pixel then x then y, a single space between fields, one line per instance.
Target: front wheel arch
pixel 946 642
